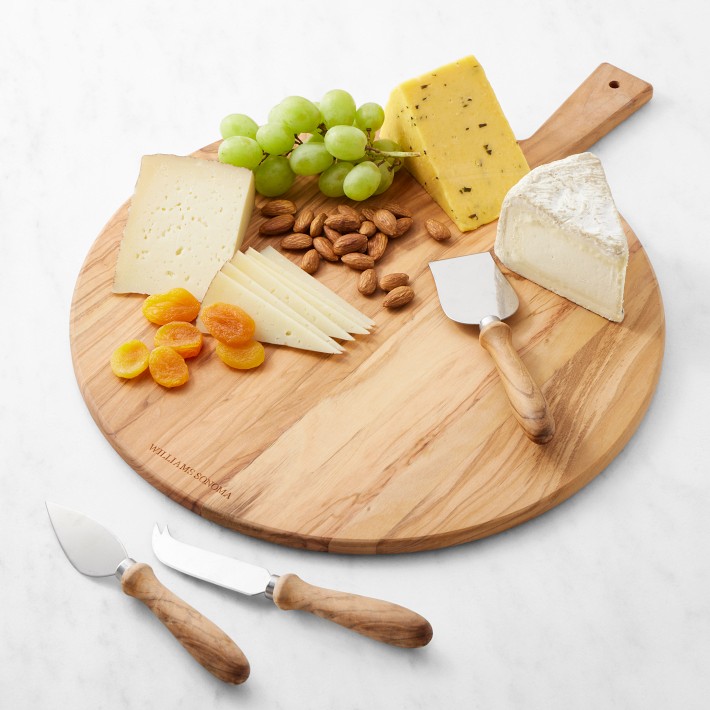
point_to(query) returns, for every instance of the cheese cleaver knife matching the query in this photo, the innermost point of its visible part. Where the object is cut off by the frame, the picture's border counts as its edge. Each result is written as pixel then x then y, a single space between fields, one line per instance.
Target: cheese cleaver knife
pixel 472 290
pixel 94 551
pixel 380 620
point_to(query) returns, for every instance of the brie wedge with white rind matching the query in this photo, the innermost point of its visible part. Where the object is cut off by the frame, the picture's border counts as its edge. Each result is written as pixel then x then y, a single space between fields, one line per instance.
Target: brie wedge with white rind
pixel 272 325
pixel 186 218
pixel 281 290
pixel 560 228
pixel 320 296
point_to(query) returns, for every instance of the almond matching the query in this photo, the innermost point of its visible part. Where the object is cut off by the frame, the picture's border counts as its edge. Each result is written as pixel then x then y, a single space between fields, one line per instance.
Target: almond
pixel 349 211
pixel 358 261
pixel 316 228
pixel 331 233
pixel 396 209
pixel 277 225
pixel 388 282
pixel 367 284
pixel 349 243
pixel 398 297
pixel 310 261
pixel 377 245
pixel 402 225
pixel 325 249
pixel 343 223
pixel 297 241
pixel 368 228
pixel 303 221
pixel 273 208
pixel 385 221
pixel 437 230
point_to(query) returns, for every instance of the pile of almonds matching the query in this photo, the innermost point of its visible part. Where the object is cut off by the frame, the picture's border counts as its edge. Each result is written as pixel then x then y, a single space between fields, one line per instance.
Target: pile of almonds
pixel 356 238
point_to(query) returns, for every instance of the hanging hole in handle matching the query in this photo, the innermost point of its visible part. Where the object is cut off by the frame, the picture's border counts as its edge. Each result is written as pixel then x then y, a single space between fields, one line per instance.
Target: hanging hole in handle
pixel 614 84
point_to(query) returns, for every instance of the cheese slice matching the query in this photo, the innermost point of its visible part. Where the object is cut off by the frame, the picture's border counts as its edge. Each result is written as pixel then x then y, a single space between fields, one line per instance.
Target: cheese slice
pixel 258 290
pixel 272 325
pixel 560 228
pixel 312 285
pixel 469 156
pixel 186 218
pixel 281 290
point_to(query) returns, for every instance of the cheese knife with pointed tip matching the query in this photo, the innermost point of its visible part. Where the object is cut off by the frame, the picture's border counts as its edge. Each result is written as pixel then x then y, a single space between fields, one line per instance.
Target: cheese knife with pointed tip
pixel 380 620
pixel 473 290
pixel 96 552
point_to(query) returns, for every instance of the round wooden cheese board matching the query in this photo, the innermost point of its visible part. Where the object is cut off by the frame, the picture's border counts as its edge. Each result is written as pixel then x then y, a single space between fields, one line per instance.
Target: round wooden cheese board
pixel 406 441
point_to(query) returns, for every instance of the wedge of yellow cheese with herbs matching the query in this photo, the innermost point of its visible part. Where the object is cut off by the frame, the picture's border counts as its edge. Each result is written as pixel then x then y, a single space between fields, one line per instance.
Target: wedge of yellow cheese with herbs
pixel 469 156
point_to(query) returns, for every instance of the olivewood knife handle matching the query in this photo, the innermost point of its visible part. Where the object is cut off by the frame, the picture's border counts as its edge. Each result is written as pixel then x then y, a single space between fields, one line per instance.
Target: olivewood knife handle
pixel 204 640
pixel 380 620
pixel 605 98
pixel 528 403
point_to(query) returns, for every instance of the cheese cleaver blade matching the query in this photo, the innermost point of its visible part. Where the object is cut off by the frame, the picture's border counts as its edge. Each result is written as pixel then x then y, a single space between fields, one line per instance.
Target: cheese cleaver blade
pixel 472 290
pixel 96 552
pixel 380 620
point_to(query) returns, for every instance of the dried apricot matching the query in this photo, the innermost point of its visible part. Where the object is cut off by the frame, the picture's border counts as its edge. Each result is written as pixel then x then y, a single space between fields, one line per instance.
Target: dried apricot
pixel 168 367
pixel 241 357
pixel 130 359
pixel 176 304
pixel 183 337
pixel 228 323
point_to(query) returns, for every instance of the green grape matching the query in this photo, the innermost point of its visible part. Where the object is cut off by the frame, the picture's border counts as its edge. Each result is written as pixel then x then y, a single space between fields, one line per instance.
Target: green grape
pixel 310 159
pixel 240 151
pixel 362 181
pixel 315 138
pixel 237 124
pixel 331 180
pixel 370 117
pixel 386 177
pixel 297 113
pixel 345 142
pixel 274 176
pixel 275 138
pixel 338 108
pixel 386 144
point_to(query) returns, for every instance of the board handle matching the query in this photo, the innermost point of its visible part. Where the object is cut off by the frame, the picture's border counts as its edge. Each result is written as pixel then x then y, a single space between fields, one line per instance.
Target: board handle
pixel 201 638
pixel 528 403
pixel 607 97
pixel 380 620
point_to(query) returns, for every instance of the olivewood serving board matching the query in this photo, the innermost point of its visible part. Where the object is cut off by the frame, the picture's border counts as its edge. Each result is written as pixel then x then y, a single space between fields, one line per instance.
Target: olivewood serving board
pixel 406 441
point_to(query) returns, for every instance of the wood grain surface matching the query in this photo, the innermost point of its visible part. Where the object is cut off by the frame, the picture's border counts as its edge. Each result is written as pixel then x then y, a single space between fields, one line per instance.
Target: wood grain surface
pixel 406 441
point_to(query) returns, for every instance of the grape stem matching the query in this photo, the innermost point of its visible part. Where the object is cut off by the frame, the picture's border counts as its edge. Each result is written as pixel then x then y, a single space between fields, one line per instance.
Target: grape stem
pixel 394 153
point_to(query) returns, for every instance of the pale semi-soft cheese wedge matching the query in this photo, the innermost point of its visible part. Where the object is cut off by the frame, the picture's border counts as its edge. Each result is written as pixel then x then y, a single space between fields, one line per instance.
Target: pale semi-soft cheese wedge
pixel 272 326
pixel 258 290
pixel 281 290
pixel 559 227
pixel 326 308
pixel 186 218
pixel 312 284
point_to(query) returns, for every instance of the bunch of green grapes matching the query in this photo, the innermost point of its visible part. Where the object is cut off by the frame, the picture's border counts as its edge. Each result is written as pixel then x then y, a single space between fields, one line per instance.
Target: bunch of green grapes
pixel 333 139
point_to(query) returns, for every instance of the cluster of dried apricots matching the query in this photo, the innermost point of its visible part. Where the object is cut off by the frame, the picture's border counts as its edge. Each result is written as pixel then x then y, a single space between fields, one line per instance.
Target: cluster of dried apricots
pixel 178 339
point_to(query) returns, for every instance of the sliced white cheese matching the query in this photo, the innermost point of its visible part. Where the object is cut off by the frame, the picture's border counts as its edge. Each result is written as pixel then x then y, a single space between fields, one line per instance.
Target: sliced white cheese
pixel 186 218
pixel 280 289
pixel 247 282
pixel 272 325
pixel 319 295
pixel 559 227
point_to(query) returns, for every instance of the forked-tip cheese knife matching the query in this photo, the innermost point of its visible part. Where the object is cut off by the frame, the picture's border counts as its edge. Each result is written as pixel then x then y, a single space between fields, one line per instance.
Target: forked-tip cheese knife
pixel 473 290
pixel 380 620
pixel 96 552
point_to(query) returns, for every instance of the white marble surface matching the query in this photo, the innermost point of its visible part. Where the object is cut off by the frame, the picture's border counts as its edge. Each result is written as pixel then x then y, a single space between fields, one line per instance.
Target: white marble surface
pixel 601 603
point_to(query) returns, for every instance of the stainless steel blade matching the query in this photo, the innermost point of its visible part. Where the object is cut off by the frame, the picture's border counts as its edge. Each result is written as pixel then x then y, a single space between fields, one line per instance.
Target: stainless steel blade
pixel 228 572
pixel 472 287
pixel 90 547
